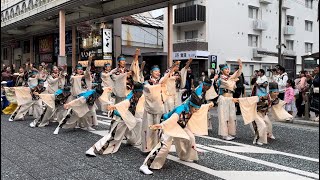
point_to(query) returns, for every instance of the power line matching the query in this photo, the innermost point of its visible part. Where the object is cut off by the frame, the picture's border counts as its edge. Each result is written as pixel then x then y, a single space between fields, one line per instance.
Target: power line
pixel 143 18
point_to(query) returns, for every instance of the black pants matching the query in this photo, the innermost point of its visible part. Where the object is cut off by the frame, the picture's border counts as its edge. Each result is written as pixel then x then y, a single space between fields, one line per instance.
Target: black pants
pixel 281 96
pixel 237 94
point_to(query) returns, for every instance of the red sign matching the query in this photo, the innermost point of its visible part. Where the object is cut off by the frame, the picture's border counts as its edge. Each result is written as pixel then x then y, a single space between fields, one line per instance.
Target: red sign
pixel 46 44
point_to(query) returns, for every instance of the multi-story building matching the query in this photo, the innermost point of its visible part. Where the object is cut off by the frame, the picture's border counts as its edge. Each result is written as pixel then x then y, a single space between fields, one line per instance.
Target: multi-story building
pixel 245 29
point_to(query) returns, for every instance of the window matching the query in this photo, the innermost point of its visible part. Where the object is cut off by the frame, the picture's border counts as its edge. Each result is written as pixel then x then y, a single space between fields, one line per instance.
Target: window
pixel 191 34
pixel 251 70
pixel 5 54
pixel 253 40
pixel 308 26
pixel 290 45
pixel 290 20
pixel 253 12
pixel 308 4
pixel 308 47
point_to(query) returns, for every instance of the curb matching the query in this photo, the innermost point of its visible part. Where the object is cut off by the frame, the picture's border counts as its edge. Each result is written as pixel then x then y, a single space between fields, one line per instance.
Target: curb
pixel 303 122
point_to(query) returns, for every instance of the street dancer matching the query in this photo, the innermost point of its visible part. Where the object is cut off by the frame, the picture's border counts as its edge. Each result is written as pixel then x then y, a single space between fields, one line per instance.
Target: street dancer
pixel 128 115
pixel 179 126
pixel 226 103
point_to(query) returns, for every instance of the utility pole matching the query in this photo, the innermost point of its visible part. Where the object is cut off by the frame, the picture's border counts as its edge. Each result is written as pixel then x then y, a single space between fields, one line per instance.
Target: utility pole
pixel 280 60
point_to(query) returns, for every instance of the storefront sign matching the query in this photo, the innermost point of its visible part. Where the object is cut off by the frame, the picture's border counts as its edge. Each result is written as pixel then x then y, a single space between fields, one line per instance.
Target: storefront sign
pixel 185 55
pixel 107 41
pixel 45 44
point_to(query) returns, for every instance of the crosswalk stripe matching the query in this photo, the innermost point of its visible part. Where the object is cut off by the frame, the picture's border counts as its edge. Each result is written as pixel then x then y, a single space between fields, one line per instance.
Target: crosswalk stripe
pixel 266 163
pixel 274 151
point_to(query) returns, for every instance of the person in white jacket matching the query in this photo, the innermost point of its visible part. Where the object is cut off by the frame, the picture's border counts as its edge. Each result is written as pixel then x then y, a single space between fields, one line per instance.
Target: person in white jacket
pixel 282 81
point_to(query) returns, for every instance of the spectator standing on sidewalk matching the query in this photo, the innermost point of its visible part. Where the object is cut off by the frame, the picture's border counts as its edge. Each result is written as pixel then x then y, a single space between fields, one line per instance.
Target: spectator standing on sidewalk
pixel 302 86
pixel 282 81
pixel 314 96
pixel 239 91
pixel 254 78
pixel 189 81
pixel 261 84
pixel 289 97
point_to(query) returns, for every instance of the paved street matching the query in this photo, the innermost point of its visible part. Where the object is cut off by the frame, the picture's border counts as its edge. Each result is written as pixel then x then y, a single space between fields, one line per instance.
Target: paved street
pixel 35 153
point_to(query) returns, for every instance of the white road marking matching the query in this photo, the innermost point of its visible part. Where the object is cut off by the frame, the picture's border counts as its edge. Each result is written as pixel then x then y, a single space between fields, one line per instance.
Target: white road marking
pixel 104 122
pixel 270 150
pixel 104 117
pixel 100 132
pixel 234 175
pixel 245 149
pixel 266 163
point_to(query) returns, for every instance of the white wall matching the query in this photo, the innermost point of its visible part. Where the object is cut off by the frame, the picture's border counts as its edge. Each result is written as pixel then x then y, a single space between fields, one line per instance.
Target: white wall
pixel 228 26
pixel 141 36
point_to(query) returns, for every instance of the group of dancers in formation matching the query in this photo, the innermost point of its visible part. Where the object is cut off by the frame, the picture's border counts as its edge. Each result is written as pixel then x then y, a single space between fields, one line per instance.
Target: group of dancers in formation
pixel 149 114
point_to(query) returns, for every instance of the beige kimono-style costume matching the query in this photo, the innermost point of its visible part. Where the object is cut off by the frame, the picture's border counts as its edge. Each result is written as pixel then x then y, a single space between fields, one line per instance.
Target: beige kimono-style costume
pixel 153 110
pixel 25 102
pixel 53 85
pixel 183 138
pixel 248 107
pixel 226 107
pixel 128 125
pixel 76 89
pixel 106 82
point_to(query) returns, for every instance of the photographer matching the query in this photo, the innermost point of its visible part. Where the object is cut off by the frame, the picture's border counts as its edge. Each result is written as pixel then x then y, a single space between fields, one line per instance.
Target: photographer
pixel 261 84
pixel 282 81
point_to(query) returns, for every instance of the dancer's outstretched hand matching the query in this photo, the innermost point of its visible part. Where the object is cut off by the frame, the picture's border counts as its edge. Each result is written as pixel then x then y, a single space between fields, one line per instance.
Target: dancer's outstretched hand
pixel 111 107
pixel 155 127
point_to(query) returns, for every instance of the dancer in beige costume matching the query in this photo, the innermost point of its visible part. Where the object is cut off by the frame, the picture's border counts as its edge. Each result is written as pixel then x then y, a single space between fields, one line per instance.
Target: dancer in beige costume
pixel 154 92
pixel 179 126
pixel 226 103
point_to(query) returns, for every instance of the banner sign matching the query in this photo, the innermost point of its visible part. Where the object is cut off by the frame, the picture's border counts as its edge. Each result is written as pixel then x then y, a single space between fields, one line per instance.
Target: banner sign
pixel 107 43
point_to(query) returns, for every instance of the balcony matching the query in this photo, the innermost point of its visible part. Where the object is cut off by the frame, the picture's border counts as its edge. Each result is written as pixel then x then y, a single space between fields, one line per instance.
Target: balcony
pixel 259 25
pixel 289 30
pixel 266 1
pixel 286 4
pixel 190 45
pixel 289 53
pixel 256 54
pixel 190 15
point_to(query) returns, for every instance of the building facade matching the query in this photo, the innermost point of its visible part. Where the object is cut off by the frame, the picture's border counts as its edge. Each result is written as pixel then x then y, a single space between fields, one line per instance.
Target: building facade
pixel 247 29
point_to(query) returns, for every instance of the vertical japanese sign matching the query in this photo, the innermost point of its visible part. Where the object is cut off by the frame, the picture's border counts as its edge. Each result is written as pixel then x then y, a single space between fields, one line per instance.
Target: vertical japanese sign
pixel 107 43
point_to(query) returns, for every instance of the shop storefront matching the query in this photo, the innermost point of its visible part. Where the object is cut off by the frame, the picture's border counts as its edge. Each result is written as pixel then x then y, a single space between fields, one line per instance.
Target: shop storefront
pixel 97 42
pixel 45 50
pixel 199 63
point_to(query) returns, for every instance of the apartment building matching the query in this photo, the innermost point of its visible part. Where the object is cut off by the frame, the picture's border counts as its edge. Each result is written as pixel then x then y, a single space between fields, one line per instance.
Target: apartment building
pixel 223 31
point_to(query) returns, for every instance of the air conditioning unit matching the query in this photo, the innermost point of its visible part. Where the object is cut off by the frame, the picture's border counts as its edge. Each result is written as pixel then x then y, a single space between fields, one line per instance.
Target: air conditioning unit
pixel 257 52
pixel 266 1
pixel 259 25
pixel 289 30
